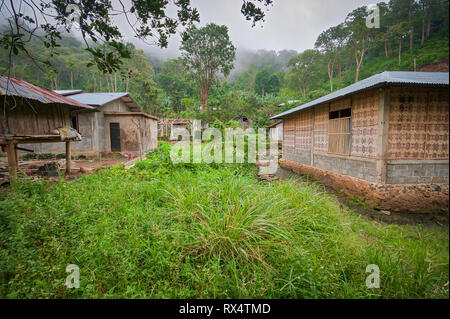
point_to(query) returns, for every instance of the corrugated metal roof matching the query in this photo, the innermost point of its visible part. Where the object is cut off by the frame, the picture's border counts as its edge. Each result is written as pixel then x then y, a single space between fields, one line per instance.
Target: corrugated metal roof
pixel 387 77
pixel 68 92
pixel 18 87
pixel 98 99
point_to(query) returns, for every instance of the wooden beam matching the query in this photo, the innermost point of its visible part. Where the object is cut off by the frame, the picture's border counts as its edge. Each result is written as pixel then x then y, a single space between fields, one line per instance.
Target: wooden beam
pixel 68 157
pixel 382 134
pixel 24 149
pixel 12 162
pixel 313 114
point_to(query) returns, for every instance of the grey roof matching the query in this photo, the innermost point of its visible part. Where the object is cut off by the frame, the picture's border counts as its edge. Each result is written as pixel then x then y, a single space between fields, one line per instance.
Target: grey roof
pixel 97 99
pixel 386 77
pixel 67 92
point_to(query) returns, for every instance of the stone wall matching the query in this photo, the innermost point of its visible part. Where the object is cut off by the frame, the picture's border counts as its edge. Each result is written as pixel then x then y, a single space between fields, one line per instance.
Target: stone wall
pixel 421 198
pixel 415 173
pixel 356 168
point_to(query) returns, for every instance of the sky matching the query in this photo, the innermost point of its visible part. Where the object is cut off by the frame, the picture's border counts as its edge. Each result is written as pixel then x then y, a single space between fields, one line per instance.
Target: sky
pixel 289 24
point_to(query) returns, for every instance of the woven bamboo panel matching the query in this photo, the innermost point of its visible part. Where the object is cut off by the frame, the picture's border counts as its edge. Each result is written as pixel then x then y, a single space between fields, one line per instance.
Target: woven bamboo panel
pixel 303 127
pixel 340 104
pixel 289 132
pixel 418 124
pixel 437 121
pixel 321 128
pixel 364 123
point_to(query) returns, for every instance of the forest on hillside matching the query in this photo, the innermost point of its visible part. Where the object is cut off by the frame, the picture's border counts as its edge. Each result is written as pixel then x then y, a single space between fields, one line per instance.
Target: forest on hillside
pixel 412 35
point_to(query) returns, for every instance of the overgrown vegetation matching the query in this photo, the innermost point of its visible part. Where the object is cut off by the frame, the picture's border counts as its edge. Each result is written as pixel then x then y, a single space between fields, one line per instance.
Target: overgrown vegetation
pixel 163 230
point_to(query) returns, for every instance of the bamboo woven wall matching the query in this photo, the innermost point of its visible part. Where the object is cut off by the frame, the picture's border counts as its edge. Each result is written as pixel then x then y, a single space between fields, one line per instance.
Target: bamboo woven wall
pixel 365 107
pixel 289 132
pixel 321 128
pixel 418 124
pixel 297 130
pixel 364 119
pixel 303 130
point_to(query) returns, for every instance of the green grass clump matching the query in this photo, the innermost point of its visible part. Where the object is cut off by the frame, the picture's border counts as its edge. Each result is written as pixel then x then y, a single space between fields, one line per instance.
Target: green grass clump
pixel 161 230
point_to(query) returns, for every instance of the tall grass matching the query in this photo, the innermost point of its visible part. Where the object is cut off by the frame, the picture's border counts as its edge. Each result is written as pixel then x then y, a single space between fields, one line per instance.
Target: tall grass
pixel 205 231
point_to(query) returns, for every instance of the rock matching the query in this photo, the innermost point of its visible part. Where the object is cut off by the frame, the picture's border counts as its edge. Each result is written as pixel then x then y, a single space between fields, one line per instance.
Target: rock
pixel 386 212
pixel 48 169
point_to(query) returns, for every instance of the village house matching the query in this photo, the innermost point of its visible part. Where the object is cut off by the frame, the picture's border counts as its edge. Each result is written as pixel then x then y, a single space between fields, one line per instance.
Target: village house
pixel 384 139
pixel 32 115
pixel 276 131
pixel 168 128
pixel 116 124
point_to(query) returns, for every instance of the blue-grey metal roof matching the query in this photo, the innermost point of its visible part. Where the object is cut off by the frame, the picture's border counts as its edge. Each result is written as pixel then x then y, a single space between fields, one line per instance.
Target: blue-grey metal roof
pixel 97 99
pixel 67 92
pixel 387 77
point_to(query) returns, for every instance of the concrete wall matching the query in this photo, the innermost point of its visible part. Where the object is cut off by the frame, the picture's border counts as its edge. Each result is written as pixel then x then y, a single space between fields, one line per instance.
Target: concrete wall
pixel 137 133
pixel 299 156
pixel 94 129
pixel 418 172
pixel 423 198
pixel 362 169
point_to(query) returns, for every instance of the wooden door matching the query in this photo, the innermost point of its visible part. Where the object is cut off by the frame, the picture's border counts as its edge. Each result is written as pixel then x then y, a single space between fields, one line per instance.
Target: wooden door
pixel 114 134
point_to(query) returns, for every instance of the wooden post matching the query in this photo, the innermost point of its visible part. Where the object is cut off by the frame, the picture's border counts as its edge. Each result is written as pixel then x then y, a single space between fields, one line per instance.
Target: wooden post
pixel 12 163
pixel 382 134
pixel 68 157
pixel 16 155
pixel 313 115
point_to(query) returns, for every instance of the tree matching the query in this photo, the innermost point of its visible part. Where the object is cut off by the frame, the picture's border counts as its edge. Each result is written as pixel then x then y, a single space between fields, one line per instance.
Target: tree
pixel 266 82
pixel 399 32
pixel 330 43
pixel 360 36
pixel 304 67
pixel 176 83
pixel 206 52
pixel 43 20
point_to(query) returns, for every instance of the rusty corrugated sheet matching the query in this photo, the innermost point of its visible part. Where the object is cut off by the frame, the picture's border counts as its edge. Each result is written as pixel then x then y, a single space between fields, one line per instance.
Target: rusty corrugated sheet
pixel 18 87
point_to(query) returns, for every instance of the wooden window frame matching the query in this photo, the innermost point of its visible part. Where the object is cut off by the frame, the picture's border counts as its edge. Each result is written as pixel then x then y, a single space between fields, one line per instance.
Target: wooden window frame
pixel 349 133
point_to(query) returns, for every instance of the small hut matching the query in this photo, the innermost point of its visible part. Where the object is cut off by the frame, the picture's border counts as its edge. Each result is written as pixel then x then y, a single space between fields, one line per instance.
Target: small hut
pixel 384 139
pixel 168 128
pixel 32 114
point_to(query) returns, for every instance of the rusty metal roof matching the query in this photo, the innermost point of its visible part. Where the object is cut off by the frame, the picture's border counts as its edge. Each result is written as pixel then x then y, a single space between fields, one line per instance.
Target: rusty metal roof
pixel 22 88
pixel 383 78
pixel 175 121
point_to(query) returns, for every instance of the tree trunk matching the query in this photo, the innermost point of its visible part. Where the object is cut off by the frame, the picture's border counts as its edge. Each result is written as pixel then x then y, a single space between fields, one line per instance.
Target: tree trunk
pixel 428 28
pixel 411 33
pixel 422 39
pixel 386 48
pixel 400 52
pixel 359 61
pixel 204 93
pixel 330 72
pixel 71 79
